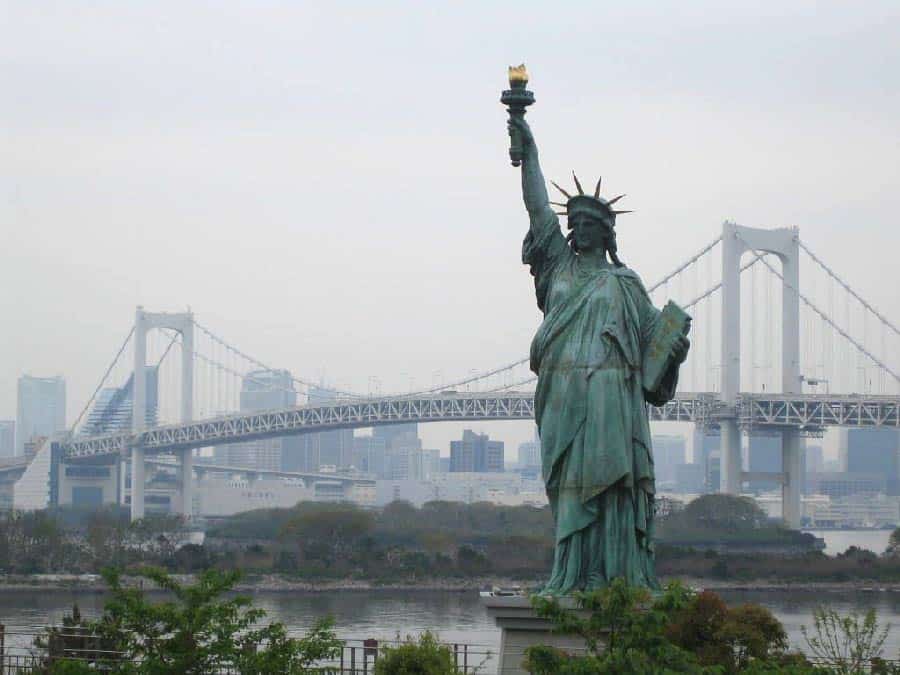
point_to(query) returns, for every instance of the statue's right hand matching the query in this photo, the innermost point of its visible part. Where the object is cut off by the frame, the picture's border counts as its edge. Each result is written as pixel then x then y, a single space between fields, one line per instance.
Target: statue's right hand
pixel 525 135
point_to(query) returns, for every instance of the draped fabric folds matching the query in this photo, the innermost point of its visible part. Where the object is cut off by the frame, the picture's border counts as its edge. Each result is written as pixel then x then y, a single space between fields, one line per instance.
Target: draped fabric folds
pixel 591 412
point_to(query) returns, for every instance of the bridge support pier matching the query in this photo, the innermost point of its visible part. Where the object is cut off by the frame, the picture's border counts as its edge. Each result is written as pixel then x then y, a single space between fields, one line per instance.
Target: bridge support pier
pixel 186 471
pixel 137 484
pixel 730 462
pixel 792 466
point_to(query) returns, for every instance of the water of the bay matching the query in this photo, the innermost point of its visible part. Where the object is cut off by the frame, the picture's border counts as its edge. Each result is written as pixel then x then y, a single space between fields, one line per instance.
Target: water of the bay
pixel 455 616
pixel 838 541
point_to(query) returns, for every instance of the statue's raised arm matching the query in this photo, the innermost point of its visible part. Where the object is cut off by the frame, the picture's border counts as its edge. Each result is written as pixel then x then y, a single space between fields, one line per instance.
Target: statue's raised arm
pixel 534 189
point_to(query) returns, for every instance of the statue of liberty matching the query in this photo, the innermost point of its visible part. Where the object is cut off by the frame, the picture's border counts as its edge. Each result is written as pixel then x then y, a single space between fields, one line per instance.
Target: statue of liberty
pixel 591 355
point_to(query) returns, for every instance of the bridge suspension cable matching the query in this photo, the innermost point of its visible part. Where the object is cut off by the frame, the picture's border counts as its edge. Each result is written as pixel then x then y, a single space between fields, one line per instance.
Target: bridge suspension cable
pixel 822 314
pixel 712 289
pixel 221 366
pixel 527 380
pixel 474 378
pixel 102 380
pixel 887 322
pixel 690 261
pixel 263 366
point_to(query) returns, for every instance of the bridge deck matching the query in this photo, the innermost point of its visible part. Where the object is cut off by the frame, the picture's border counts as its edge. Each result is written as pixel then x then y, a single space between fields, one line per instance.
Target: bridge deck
pixel 752 410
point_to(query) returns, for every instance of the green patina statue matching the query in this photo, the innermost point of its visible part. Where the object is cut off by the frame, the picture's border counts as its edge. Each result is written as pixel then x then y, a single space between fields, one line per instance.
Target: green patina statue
pixel 600 338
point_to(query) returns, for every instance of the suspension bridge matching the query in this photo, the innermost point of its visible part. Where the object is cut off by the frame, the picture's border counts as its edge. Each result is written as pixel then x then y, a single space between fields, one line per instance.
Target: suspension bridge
pixel 769 356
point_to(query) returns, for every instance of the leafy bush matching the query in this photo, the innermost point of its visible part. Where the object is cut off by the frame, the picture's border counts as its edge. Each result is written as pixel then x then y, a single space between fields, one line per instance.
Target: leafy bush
pixel 424 656
pixel 197 633
pixel 846 644
pixel 627 631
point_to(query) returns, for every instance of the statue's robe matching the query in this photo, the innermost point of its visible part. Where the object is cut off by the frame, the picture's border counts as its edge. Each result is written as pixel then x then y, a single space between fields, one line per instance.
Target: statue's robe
pixel 591 412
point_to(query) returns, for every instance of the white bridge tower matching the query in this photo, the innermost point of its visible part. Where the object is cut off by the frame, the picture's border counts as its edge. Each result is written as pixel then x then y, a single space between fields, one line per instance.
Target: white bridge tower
pixel 784 243
pixel 184 324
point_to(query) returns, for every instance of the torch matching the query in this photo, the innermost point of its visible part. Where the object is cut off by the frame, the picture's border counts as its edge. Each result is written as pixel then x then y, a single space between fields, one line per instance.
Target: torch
pixel 516 98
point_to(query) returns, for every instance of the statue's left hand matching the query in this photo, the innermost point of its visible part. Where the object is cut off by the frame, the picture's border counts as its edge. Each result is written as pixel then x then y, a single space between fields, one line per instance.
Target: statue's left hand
pixel 680 349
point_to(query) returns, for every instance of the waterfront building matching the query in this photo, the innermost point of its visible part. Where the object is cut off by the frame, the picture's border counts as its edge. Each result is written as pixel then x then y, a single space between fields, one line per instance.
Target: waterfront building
pixel 7 438
pixel 508 488
pixel 847 483
pixel 854 511
pixel 40 408
pixel 476 453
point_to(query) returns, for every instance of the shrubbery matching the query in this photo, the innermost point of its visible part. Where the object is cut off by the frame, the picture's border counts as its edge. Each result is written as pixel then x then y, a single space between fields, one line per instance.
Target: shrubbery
pixel 626 630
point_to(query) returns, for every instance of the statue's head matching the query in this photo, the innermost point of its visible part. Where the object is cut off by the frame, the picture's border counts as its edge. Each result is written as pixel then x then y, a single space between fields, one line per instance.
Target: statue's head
pixel 592 221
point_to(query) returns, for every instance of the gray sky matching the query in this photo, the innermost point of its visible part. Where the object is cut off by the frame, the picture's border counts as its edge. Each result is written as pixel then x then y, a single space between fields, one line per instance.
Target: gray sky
pixel 327 184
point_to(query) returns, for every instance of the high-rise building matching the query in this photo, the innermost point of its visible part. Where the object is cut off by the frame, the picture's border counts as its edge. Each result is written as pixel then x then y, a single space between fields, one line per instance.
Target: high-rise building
pixel 764 456
pixel 815 459
pixel 394 452
pixel 263 390
pixel 368 455
pixel 403 459
pixel 706 454
pixel 7 438
pixel 530 452
pixel 476 453
pixel 690 478
pixel 872 451
pixel 668 453
pixel 112 409
pixel 328 449
pixel 389 432
pixel 41 408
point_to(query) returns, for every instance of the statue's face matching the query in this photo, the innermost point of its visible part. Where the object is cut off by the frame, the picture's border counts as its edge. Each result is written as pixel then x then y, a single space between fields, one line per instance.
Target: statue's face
pixel 591 232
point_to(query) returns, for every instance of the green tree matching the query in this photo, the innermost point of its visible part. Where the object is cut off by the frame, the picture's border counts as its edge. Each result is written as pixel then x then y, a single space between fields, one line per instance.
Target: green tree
pixel 200 633
pixel 331 531
pixel 725 512
pixel 893 549
pixel 624 632
pixel 425 656
pixel 846 644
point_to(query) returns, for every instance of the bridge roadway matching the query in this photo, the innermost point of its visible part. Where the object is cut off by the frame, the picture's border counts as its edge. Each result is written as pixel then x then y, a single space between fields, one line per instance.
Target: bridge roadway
pixel 804 411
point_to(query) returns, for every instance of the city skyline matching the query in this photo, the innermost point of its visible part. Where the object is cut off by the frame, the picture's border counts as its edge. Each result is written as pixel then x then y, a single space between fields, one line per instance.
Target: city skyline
pixel 99 187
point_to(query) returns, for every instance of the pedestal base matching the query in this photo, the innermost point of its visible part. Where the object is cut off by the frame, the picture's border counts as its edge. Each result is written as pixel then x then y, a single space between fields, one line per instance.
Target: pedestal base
pixel 521 628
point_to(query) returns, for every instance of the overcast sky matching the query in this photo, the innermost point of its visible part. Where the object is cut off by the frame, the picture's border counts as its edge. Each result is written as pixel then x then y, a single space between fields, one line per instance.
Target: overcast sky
pixel 327 183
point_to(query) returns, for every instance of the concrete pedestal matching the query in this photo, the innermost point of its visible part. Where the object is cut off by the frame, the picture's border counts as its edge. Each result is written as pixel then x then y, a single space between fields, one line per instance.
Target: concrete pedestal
pixel 521 628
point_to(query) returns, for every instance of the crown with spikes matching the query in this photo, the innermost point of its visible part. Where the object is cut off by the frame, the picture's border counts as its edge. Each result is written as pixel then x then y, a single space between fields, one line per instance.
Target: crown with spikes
pixel 594 204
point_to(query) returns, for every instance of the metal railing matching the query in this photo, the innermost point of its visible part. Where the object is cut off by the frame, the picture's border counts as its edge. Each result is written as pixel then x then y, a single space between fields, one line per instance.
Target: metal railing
pixel 20 653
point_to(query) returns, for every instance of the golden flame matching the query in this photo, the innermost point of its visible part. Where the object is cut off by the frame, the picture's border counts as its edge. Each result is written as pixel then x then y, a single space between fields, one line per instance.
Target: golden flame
pixel 518 74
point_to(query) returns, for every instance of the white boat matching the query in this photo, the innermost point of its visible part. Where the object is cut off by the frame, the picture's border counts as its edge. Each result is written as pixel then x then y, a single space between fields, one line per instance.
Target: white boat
pixel 501 592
